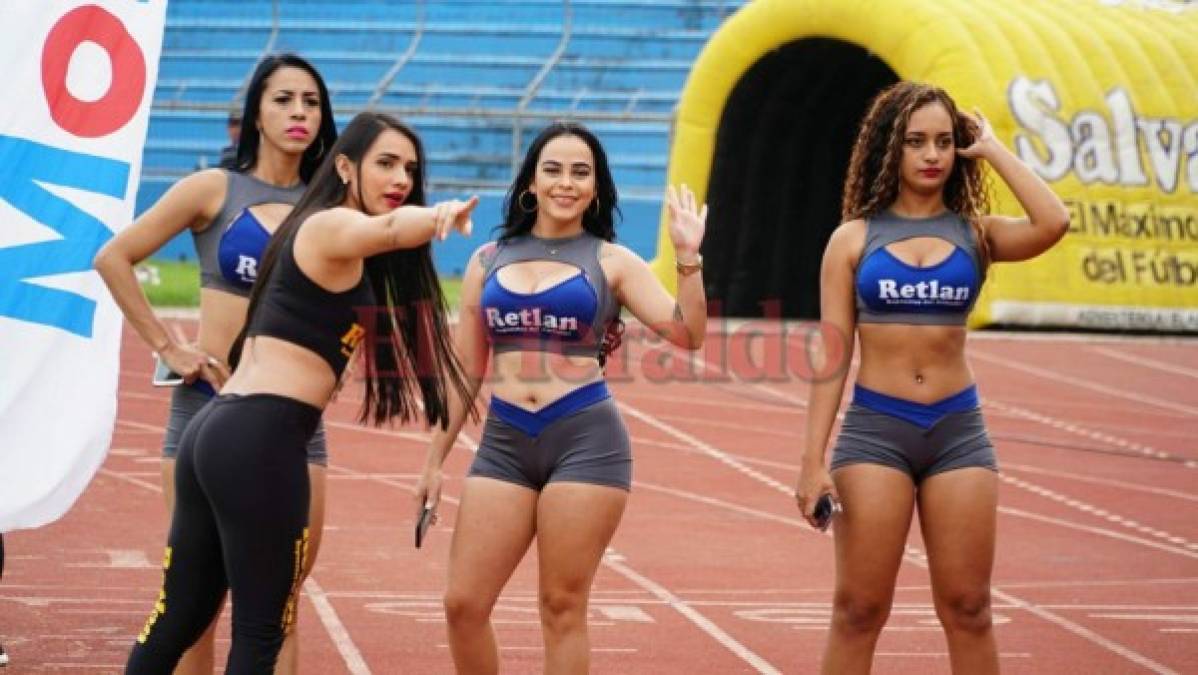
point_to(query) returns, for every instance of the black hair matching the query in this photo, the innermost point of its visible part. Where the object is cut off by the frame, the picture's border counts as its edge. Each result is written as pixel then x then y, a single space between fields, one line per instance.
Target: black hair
pixel 600 217
pixel 248 141
pixel 408 346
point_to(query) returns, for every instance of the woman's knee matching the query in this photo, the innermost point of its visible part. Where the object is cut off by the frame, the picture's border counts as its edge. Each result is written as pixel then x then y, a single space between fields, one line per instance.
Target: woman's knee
pixel 563 609
pixel 965 610
pixel 859 613
pixel 464 608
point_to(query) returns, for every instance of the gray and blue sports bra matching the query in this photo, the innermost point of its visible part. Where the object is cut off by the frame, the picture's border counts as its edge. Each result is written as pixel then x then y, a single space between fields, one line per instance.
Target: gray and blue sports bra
pixel 570 317
pixel 231 247
pixel 892 291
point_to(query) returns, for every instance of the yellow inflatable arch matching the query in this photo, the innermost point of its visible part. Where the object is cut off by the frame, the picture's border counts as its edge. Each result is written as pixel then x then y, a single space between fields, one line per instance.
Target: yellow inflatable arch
pixel 1100 97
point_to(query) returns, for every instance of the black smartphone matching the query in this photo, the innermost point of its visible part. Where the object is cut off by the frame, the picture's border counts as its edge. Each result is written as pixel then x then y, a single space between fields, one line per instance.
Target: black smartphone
pixel 422 523
pixel 825 509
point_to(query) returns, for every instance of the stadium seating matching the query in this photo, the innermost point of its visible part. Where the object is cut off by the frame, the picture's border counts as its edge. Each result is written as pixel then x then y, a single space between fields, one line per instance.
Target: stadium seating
pixel 467 74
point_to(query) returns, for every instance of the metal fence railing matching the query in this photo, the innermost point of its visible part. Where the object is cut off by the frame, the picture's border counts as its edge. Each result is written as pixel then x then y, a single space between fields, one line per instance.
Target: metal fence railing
pixel 583 103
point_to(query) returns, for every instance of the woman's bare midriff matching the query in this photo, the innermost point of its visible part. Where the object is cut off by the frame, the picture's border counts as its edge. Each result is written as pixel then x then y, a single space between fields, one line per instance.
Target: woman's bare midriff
pixel 273 366
pixel 221 317
pixel 533 380
pixel 917 363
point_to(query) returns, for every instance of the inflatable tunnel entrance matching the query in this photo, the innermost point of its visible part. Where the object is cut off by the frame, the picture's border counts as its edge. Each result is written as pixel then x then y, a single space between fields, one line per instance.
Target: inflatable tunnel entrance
pixel 780 158
pixel 1095 96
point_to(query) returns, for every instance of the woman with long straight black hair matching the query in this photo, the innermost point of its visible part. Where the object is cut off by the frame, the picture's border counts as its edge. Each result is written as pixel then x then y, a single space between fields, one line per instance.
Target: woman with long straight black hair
pixel 346 268
pixel 286 132
pixel 555 460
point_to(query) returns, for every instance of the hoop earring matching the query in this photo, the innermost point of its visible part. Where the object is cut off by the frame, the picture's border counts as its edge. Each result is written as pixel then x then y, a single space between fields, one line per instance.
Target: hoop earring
pixel 520 202
pixel 596 204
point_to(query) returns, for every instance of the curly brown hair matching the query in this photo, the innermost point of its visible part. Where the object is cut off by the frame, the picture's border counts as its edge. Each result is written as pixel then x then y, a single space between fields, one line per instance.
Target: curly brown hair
pixel 872 183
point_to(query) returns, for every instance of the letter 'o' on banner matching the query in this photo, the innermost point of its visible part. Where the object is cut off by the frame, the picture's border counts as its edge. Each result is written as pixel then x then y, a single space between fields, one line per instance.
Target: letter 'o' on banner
pixel 112 111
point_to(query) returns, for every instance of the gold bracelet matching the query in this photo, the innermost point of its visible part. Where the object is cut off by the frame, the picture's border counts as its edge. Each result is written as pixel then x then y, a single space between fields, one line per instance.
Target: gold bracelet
pixel 687 269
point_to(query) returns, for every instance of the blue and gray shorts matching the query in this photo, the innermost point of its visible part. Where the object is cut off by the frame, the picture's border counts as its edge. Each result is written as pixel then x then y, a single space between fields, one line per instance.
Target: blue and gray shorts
pixel 918 439
pixel 579 438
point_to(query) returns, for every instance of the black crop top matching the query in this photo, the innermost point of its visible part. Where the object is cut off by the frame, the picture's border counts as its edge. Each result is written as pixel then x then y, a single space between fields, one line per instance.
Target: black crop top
pixel 296 309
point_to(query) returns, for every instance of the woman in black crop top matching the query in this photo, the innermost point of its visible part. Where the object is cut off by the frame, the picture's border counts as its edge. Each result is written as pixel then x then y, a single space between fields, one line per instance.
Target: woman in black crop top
pixel 555 457
pixel 287 129
pixel 345 268
pixel 913 436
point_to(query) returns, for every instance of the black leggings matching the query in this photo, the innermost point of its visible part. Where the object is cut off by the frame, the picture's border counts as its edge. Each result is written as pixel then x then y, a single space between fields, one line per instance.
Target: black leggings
pixel 240 523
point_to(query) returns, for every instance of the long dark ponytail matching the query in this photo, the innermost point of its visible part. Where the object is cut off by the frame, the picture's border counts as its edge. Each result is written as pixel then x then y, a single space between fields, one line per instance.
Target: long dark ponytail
pixel 408 345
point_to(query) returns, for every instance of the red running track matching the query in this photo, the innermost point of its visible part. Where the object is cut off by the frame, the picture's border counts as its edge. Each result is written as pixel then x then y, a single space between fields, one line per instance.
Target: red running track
pixel 711 570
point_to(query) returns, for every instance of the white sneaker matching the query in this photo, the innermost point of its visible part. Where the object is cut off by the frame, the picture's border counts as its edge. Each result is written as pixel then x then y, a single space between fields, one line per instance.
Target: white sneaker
pixel 3 657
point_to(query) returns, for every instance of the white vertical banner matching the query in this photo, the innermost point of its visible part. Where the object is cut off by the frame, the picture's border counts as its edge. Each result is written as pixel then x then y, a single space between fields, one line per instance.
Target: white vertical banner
pixel 78 82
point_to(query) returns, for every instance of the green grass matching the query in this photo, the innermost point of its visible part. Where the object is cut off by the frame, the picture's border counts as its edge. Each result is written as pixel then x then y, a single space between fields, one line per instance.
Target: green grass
pixel 452 288
pixel 168 283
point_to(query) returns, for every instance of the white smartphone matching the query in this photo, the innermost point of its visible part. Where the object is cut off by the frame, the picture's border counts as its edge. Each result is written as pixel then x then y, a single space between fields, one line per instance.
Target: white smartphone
pixel 163 375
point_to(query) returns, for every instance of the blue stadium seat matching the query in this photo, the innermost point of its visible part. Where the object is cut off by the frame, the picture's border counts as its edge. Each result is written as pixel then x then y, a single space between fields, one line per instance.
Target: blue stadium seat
pixel 468 67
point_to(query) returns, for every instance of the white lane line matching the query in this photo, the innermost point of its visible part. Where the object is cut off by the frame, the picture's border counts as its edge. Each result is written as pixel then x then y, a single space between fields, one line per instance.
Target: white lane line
pixel 1140 360
pixel 718 503
pixel 942 655
pixel 1183 618
pixel 389 433
pixel 918 557
pixel 130 479
pixel 1162 492
pixel 535 648
pixel 140 426
pixel 707 449
pixel 709 627
pixel 143 397
pixel 1079 430
pixel 611 559
pixel 1113 583
pixel 700 358
pixel 328 617
pixel 336 630
pixel 1130 608
pixel 731 426
pixel 721 403
pixel 1056 376
pixel 109 667
pixel 1082 631
pixel 1097 530
pixel 1096 511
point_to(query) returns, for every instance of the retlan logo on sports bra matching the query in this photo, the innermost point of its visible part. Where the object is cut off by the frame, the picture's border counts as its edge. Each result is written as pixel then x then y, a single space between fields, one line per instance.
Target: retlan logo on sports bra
pixel 247 268
pixel 351 339
pixel 530 320
pixel 924 292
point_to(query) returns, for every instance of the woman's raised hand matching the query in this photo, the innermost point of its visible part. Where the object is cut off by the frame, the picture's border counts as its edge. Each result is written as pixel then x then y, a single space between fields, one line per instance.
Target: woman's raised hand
pixel 983 135
pixel 688 221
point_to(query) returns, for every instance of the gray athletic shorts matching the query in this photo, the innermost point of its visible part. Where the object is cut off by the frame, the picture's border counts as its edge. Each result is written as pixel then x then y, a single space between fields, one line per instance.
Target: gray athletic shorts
pixel 957 441
pixel 590 445
pixel 186 401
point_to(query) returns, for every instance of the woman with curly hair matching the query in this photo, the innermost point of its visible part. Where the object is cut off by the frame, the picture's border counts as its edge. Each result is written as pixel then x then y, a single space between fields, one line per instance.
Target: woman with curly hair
pixel 902 272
